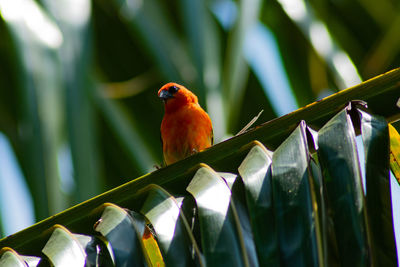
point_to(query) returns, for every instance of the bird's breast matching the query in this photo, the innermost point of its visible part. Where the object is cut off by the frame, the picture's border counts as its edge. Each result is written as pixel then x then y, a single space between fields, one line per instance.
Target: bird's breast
pixel 185 131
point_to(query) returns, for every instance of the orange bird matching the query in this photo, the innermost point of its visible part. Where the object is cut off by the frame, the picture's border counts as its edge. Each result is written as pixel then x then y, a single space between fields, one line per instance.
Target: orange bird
pixel 186 128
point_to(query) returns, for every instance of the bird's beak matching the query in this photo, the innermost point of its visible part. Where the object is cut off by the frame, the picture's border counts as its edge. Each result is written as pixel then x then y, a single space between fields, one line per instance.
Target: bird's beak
pixel 165 95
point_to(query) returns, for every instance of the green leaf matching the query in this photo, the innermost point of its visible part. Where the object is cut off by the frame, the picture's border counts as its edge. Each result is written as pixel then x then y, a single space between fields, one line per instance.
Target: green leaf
pixel 172 230
pixel 337 154
pixel 40 100
pixel 219 238
pixel 76 60
pixel 193 14
pixel 152 249
pixel 235 68
pixel 241 217
pixel 228 155
pixel 375 135
pixel 125 128
pixel 10 258
pixel 150 21
pixel 296 213
pixel 394 152
pixel 124 234
pixel 97 253
pixel 320 199
pixel 62 249
pixel 256 175
pixel 295 52
pixel 32 261
pixel 212 55
pixel 204 45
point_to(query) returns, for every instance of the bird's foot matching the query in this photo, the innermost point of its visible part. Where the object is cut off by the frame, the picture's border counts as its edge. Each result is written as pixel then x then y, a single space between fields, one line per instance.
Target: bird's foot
pixel 157 166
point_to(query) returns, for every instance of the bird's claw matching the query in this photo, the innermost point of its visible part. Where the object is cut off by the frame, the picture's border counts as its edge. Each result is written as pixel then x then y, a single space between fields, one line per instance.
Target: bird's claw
pixel 157 167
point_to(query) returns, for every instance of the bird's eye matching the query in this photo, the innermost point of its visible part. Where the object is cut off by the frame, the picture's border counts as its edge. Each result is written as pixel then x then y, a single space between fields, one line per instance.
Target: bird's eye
pixel 173 89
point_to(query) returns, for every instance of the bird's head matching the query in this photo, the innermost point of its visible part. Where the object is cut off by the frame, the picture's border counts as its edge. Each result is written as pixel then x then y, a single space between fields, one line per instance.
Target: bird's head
pixel 176 96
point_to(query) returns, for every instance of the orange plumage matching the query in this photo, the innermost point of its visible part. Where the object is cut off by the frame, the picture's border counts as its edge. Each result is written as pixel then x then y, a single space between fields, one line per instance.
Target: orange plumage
pixel 186 128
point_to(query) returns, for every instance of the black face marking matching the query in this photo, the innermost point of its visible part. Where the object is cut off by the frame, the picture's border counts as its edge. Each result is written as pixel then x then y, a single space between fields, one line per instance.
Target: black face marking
pixel 173 89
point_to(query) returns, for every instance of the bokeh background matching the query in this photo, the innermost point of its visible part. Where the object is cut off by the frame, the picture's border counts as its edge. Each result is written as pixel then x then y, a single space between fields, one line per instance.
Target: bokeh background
pixel 79 112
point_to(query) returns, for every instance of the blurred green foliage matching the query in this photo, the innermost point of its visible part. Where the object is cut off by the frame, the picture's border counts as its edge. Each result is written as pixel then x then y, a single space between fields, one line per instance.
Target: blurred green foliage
pixel 79 78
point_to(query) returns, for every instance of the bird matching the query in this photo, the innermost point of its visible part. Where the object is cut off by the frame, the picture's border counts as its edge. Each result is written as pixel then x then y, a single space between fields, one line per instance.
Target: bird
pixel 185 128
